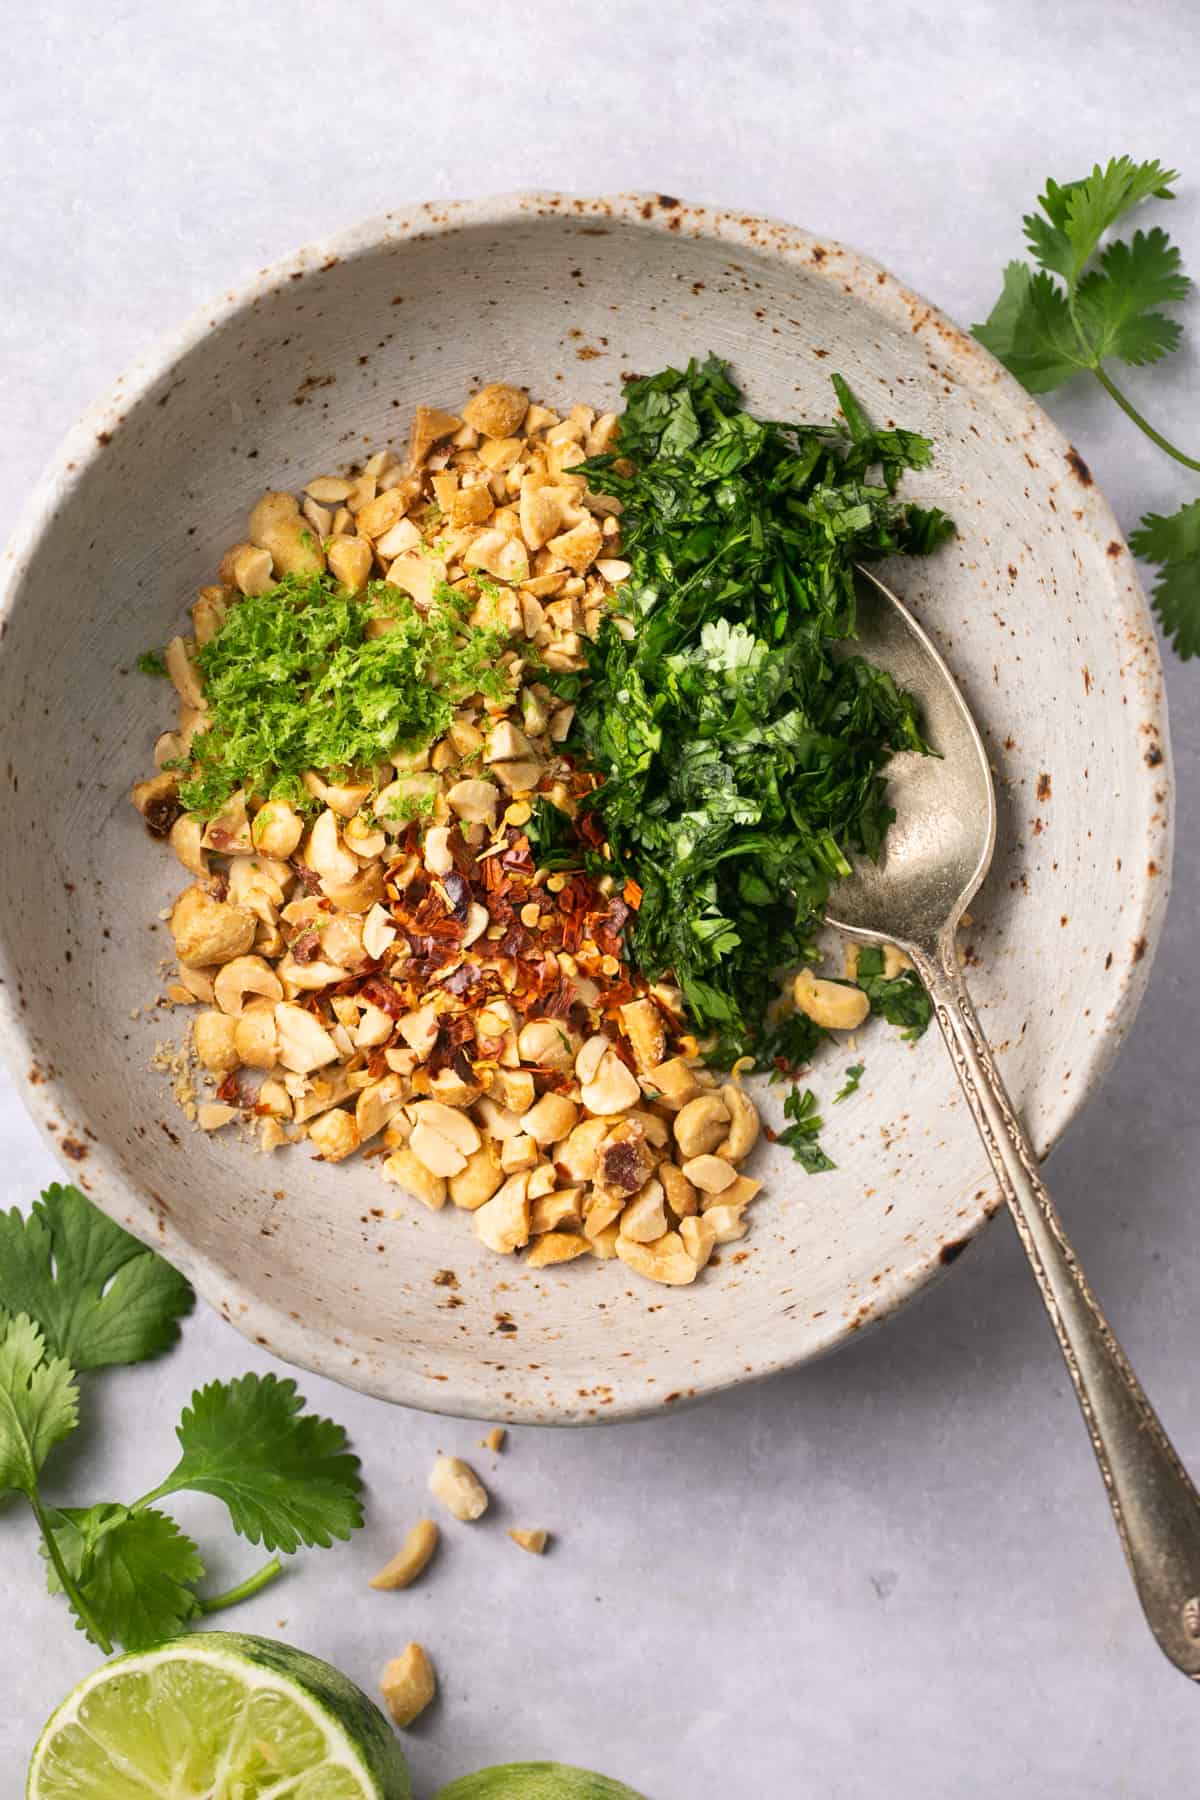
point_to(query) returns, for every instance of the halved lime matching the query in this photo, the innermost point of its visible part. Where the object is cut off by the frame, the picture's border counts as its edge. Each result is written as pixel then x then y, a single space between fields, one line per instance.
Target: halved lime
pixel 218 1716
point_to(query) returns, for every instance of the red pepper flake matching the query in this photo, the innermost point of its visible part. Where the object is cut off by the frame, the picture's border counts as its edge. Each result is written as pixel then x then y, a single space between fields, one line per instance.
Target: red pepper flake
pixel 558 1004
pixel 381 993
pixel 514 941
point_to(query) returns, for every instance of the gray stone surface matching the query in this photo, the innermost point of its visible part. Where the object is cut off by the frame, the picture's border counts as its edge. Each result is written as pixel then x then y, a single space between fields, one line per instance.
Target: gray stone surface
pixel 892 1572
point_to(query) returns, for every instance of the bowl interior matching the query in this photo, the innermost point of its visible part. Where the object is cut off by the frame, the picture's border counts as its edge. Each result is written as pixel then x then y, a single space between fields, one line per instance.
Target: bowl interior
pixel 1035 606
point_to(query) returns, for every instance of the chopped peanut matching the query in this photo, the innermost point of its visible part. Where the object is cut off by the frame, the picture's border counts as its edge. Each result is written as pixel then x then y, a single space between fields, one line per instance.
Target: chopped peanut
pixel 411 1558
pixel 534 1541
pixel 408 1685
pixel 459 1489
pixel 390 967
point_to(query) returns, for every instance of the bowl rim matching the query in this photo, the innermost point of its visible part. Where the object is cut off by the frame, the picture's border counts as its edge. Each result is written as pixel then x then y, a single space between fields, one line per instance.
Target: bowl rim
pixel 50 1102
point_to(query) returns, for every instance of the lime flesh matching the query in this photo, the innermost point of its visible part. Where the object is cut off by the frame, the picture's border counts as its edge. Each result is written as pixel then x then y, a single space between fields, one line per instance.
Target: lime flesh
pixel 218 1716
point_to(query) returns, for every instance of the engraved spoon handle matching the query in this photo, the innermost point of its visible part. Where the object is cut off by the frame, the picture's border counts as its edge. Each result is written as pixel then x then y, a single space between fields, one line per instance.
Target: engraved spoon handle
pixel 1156 1507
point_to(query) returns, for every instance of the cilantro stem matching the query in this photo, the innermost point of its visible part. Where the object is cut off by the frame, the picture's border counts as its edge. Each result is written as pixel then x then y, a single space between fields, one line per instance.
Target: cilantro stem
pixel 69 1586
pixel 253 1583
pixel 1130 410
pixel 158 1493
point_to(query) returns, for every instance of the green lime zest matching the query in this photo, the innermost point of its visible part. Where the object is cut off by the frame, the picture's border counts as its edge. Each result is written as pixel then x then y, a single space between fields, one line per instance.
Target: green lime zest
pixel 296 680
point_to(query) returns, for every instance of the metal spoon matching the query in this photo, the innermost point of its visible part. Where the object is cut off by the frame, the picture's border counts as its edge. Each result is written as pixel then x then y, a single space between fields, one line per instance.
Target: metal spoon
pixel 936 856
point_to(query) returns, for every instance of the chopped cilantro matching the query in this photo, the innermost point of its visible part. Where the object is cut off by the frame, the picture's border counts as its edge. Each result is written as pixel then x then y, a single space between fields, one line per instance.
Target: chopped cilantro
pixel 294 682
pixel 789 1043
pixel 743 759
pixel 900 999
pixel 801 1135
pixel 854 1075
pixel 150 662
pixel 552 837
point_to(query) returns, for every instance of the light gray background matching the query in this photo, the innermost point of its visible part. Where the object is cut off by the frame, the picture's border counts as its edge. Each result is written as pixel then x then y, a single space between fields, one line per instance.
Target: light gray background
pixel 892 1573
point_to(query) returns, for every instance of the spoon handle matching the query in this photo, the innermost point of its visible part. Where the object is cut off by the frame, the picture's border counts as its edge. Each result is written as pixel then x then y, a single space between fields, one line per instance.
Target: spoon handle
pixel 1156 1507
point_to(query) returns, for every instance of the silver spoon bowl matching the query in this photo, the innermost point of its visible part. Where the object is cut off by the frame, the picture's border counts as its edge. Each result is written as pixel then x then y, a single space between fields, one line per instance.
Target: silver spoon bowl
pixel 936 856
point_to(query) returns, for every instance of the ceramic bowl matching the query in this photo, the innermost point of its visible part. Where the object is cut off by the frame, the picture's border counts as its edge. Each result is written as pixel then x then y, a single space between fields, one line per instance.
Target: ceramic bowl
pixel 1036 606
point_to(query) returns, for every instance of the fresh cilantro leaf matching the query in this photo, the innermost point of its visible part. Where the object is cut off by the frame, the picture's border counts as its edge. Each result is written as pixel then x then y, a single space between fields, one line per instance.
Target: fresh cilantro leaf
pixel 39 1403
pixel 134 1570
pixel 150 662
pixel 285 1475
pixel 900 999
pixel 1173 541
pixel 801 1135
pixel 1114 302
pixel 1090 206
pixel 98 1295
pixel 1030 331
pixel 1047 236
pixel 854 1075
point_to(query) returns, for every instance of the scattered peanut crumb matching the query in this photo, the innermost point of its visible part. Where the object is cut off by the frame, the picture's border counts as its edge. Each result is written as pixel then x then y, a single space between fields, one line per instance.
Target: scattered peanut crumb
pixel 173 1060
pixel 494 1439
pixel 408 1684
pixel 533 1541
pixel 411 1559
pixel 459 1488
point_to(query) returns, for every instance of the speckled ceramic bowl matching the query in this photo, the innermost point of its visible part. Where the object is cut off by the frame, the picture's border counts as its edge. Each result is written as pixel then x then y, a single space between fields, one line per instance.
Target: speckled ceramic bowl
pixel 1036 606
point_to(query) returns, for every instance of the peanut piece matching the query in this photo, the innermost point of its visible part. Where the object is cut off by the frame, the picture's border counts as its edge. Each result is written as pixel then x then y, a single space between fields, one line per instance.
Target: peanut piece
pixel 533 1541
pixel 830 1003
pixel 556 1247
pixel 459 1488
pixel 408 1685
pixel 701 1125
pixel 711 1174
pixel 410 1559
pixel 614 1089
pixel 210 931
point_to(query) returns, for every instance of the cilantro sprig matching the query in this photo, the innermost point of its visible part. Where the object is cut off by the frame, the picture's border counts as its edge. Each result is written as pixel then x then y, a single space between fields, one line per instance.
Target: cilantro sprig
pixel 741 740
pixel 1090 303
pixel 77 1292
